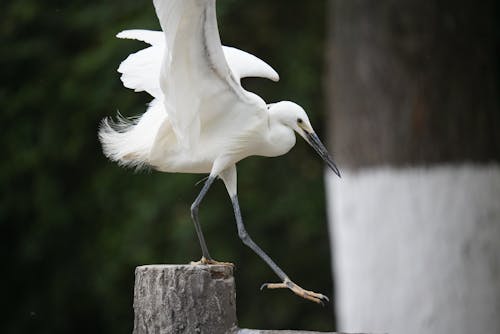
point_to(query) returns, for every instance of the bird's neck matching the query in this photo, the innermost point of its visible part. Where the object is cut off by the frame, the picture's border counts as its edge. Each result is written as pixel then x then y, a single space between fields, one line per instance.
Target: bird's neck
pixel 280 138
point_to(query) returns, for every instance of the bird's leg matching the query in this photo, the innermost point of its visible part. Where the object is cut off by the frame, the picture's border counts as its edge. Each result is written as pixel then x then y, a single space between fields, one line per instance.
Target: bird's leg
pixel 287 283
pixel 206 259
pixel 228 175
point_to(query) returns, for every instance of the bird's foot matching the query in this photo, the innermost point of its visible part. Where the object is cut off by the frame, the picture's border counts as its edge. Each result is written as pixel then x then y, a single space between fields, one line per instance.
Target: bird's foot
pixel 306 294
pixel 210 262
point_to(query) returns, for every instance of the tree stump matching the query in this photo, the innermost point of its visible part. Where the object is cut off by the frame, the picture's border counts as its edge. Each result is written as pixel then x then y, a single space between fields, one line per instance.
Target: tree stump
pixel 172 299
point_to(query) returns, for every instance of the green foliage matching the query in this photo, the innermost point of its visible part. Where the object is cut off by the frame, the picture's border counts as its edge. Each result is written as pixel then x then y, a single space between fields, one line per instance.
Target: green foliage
pixel 75 225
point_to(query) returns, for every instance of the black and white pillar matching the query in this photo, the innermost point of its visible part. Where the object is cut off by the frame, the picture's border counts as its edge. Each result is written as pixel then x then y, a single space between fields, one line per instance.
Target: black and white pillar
pixel 414 103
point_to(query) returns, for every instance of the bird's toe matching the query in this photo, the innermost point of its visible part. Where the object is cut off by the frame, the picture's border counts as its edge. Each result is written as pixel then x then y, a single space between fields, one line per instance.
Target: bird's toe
pixel 315 297
pixel 210 262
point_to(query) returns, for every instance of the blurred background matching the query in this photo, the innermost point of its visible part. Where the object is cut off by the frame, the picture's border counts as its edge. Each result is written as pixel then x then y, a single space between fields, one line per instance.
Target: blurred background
pixel 395 86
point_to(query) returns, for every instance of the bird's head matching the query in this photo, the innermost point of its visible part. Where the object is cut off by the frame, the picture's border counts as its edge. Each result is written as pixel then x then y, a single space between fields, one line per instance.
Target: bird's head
pixel 293 116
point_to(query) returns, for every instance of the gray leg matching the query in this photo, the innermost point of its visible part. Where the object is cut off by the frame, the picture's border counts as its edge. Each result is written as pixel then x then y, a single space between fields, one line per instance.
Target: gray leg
pixel 287 283
pixel 194 215
pixel 243 234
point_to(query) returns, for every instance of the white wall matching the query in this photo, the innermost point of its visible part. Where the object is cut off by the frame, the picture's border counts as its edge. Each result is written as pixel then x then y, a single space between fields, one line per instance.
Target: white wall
pixel 417 250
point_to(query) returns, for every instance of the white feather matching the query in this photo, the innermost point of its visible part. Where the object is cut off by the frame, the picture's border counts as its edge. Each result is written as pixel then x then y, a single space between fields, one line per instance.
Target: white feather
pixel 128 141
pixel 148 36
pixel 244 64
pixel 140 70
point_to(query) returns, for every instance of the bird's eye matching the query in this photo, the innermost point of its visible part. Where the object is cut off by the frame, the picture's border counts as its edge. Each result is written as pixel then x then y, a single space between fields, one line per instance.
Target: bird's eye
pixel 299 120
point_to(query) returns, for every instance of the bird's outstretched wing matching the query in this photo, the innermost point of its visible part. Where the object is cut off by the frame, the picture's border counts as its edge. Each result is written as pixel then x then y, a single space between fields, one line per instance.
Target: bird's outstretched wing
pixel 141 70
pixel 195 77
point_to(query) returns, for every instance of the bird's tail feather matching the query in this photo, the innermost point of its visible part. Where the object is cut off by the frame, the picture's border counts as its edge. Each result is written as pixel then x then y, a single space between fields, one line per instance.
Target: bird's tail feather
pixel 128 141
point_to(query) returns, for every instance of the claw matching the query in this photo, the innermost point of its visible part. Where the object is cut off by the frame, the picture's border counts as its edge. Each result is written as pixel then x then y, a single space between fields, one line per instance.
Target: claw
pixel 210 262
pixel 317 298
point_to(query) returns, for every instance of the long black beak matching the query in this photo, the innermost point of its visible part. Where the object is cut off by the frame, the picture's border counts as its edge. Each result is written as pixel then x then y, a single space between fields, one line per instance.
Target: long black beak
pixel 321 150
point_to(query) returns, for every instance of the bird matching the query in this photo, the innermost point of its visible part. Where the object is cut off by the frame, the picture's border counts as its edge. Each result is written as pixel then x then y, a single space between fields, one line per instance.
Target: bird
pixel 201 120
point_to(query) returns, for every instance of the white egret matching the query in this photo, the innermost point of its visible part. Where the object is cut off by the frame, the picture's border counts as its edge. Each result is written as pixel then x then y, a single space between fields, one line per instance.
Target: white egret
pixel 201 119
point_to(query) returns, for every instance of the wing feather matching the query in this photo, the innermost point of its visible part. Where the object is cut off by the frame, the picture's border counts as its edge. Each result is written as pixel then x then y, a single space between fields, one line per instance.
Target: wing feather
pixel 149 36
pixel 244 64
pixel 140 70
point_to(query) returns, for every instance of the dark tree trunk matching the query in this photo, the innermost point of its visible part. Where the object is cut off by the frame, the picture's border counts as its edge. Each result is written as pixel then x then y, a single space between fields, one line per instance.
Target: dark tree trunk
pixel 414 82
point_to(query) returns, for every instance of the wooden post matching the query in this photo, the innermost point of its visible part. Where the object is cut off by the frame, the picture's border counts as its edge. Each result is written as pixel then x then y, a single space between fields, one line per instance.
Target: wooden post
pixel 188 299
pixel 184 299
